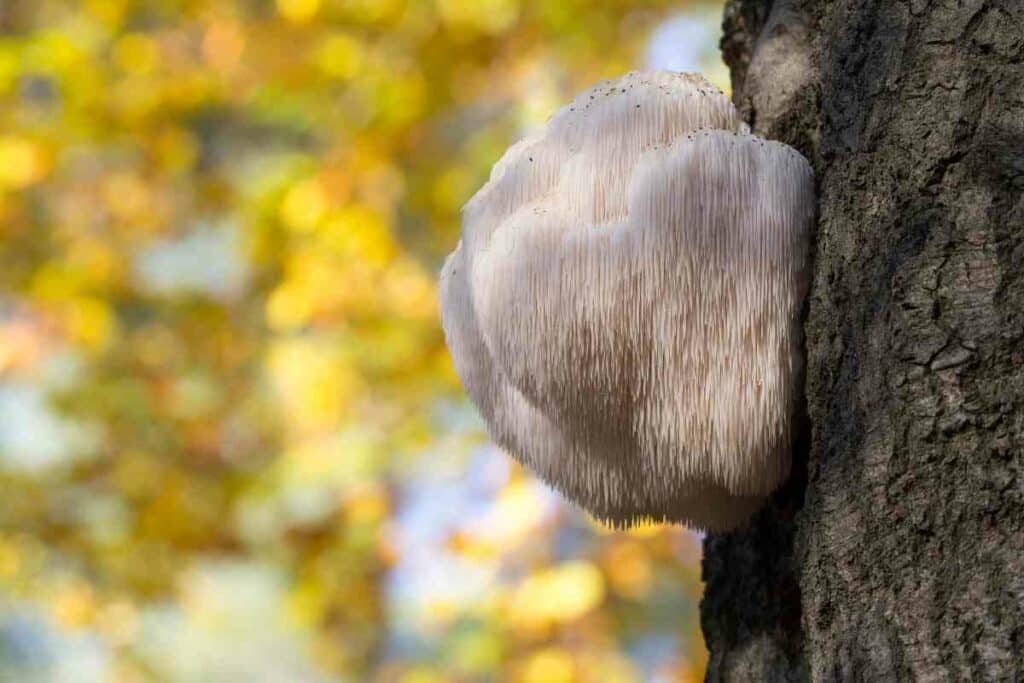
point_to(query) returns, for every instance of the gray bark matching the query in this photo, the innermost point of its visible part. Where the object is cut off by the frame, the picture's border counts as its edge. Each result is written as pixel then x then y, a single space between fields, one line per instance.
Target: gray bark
pixel 896 552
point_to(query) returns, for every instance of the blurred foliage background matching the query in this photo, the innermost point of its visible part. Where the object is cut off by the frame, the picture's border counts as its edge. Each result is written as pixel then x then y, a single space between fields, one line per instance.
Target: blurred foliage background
pixel 232 446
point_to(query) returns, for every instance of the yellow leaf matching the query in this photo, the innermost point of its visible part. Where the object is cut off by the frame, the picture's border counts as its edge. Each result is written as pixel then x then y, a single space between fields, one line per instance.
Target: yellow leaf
pixel 110 12
pixel 557 595
pixel 314 382
pixel 550 665
pixel 10 559
pixel 91 322
pixel 21 163
pixel 629 569
pixel 176 149
pixel 366 505
pixel 74 604
pixel 304 205
pixel 339 56
pixel 484 16
pixel 137 54
pixel 421 674
pixel 224 44
pixel 298 11
pixel 410 291
pixel 360 232
pixel 372 11
pixel 289 306
pixel 128 197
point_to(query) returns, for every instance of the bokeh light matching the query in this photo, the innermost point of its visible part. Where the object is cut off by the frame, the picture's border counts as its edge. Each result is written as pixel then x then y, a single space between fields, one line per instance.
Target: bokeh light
pixel 232 444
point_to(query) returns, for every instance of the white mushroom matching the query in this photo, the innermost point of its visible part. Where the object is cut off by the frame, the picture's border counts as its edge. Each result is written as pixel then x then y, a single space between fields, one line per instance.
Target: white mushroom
pixel 624 305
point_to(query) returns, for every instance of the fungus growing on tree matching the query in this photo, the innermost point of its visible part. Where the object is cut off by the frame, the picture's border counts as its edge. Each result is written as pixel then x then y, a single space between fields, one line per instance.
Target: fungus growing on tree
pixel 623 307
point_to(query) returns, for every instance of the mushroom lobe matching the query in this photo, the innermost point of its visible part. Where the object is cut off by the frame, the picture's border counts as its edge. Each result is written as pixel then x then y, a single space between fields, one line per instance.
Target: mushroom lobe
pixel 623 307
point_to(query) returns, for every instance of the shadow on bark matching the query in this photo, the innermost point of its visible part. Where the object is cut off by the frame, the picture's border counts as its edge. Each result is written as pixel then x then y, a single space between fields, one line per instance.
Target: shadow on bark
pixel 752 618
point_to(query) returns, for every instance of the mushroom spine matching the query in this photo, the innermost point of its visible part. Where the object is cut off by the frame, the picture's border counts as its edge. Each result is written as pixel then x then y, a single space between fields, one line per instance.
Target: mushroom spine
pixel 623 306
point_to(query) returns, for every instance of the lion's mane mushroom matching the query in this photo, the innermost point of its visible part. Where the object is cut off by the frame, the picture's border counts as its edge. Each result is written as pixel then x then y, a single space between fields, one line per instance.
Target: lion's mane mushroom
pixel 623 307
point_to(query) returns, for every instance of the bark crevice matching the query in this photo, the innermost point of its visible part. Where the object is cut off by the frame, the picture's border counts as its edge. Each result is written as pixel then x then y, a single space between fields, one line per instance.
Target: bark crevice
pixel 896 551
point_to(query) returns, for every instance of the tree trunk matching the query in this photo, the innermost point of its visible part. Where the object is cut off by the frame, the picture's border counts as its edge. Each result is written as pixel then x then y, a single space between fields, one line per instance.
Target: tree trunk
pixel 896 552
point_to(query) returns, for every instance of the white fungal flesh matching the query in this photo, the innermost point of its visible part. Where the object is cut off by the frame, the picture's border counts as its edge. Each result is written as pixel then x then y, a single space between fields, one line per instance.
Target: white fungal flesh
pixel 624 305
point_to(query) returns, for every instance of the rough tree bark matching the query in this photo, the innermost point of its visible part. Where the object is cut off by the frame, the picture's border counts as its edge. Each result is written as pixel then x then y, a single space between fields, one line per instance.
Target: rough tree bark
pixel 896 552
